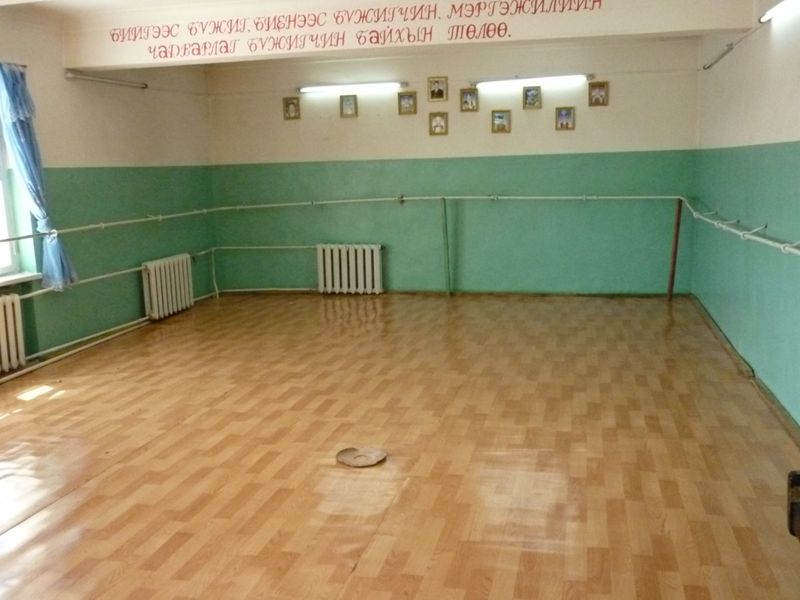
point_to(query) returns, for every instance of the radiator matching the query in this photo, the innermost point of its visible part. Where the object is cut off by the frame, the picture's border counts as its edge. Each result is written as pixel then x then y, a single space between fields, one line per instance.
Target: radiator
pixel 12 342
pixel 167 286
pixel 349 269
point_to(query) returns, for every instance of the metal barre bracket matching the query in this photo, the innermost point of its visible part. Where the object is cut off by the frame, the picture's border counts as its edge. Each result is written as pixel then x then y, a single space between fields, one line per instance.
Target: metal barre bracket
pixel 752 231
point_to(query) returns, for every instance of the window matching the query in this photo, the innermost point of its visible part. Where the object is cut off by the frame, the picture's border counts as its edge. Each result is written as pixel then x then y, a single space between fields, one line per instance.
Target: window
pixel 9 261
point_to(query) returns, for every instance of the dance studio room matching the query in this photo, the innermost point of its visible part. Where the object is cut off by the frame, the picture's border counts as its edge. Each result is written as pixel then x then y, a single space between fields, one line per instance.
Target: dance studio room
pixel 383 299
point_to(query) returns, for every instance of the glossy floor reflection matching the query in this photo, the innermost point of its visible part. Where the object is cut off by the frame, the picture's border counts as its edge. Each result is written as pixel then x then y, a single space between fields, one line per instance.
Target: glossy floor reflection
pixel 539 448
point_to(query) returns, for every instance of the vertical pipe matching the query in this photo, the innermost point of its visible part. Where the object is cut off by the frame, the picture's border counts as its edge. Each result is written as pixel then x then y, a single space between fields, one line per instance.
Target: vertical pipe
pixel 446 244
pixel 676 234
pixel 214 272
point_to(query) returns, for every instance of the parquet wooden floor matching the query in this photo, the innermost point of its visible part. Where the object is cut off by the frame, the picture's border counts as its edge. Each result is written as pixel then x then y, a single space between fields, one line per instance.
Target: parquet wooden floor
pixel 539 448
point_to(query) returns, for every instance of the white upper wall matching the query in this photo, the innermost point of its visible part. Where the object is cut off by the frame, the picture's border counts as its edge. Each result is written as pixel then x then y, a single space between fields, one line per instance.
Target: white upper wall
pixel 752 95
pixel 653 101
pixel 80 123
pixel 185 32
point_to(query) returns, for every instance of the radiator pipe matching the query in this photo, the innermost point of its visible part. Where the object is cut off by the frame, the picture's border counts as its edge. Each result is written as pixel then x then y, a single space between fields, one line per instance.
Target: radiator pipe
pixel 446 244
pixel 125 329
pixel 128 328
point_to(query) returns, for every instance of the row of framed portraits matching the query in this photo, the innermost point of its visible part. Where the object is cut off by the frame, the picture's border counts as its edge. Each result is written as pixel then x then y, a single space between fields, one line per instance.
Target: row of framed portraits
pixel 501 121
pixel 437 121
pixel 468 97
pixel 468 100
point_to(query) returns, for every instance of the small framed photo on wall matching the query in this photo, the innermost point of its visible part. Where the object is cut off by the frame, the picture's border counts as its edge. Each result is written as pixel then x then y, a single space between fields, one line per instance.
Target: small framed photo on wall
pixel 291 108
pixel 598 93
pixel 532 97
pixel 501 121
pixel 407 103
pixel 437 123
pixel 437 88
pixel 348 106
pixel 565 118
pixel 469 100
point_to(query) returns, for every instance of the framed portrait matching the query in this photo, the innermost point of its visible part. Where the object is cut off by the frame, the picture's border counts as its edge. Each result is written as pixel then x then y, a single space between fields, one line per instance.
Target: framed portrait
pixel 598 93
pixel 565 118
pixel 437 123
pixel 469 100
pixel 437 88
pixel 348 106
pixel 501 121
pixel 407 103
pixel 532 97
pixel 291 108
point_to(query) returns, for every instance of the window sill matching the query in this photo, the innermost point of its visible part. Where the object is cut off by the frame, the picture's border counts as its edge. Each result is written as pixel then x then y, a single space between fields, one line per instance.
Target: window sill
pixel 6 280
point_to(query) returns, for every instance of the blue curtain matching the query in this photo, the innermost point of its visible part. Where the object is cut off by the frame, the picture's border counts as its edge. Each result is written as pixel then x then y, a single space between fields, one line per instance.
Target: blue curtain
pixel 16 115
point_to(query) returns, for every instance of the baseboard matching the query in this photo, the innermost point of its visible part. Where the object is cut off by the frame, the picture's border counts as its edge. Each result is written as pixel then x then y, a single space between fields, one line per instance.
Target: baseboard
pixel 741 364
pixel 786 420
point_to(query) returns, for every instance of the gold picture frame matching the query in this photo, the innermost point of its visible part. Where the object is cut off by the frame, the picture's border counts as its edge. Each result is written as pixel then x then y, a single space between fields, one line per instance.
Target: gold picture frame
pixel 438 123
pixel 532 97
pixel 437 88
pixel 565 118
pixel 469 99
pixel 291 108
pixel 598 93
pixel 501 121
pixel 348 106
pixel 407 103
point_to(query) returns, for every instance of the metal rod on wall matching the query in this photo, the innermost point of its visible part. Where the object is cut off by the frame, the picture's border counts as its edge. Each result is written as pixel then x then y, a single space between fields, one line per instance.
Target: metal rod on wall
pixel 446 244
pixel 242 207
pixel 214 272
pixel 70 74
pixel 676 234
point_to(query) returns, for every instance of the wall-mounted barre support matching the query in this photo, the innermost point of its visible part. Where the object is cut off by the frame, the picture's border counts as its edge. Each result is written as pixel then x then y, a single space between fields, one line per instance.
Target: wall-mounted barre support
pixel 240 207
pixel 750 236
pixel 446 246
pixel 730 226
pixel 676 234
pixel 745 234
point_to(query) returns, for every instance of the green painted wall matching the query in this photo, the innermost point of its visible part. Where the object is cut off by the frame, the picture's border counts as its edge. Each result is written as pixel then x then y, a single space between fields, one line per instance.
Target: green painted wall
pixel 547 247
pixel 94 195
pixel 495 245
pixel 515 246
pixel 752 290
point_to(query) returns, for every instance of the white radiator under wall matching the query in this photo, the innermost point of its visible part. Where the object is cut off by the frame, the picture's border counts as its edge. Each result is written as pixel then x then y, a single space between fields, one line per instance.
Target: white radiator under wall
pixel 167 286
pixel 349 269
pixel 12 342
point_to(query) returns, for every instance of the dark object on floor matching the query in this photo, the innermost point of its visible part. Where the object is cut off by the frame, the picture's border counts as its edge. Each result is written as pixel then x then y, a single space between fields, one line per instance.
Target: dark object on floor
pixel 361 457
pixel 793 503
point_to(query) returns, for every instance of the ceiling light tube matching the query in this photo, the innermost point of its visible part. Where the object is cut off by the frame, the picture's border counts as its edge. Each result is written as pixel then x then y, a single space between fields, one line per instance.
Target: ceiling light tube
pixel 518 82
pixel 383 87
pixel 780 10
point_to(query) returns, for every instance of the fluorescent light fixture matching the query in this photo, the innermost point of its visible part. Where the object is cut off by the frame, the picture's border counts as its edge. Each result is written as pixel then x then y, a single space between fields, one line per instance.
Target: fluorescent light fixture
pixel 383 87
pixel 557 81
pixel 780 10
